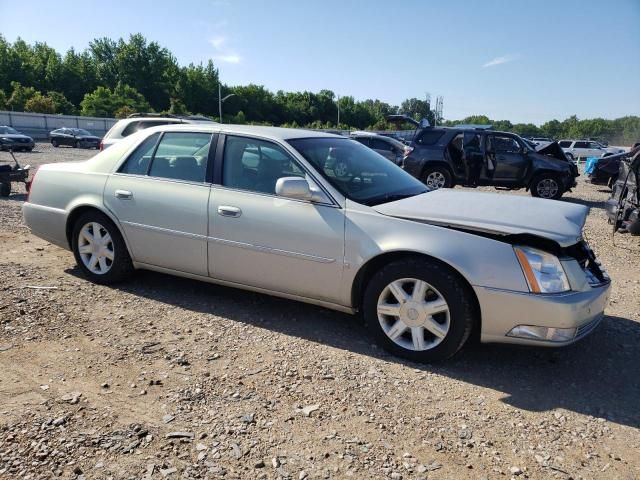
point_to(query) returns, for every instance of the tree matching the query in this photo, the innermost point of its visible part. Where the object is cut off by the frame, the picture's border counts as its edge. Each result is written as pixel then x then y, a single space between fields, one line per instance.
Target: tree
pixel 3 100
pixel 20 96
pixel 418 109
pixel 197 88
pixel 103 102
pixel 177 107
pixel 61 104
pixel 40 104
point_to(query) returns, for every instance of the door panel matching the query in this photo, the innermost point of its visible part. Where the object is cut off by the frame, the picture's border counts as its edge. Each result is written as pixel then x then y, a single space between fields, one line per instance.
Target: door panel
pixel 164 221
pixel 276 243
pixel 510 161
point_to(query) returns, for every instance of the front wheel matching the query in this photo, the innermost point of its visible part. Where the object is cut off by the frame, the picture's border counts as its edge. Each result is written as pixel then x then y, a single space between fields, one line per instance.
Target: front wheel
pixel 55 143
pixel 437 177
pixel 419 310
pixel 99 249
pixel 76 144
pixel 546 185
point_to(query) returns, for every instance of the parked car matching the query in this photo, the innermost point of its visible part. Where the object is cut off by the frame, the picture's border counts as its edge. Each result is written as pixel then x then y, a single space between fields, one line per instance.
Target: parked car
pixel 623 207
pixel 258 208
pixel 443 157
pixel 603 170
pixel 388 147
pixel 11 139
pixel 139 121
pixel 582 149
pixel 74 137
pixel 541 141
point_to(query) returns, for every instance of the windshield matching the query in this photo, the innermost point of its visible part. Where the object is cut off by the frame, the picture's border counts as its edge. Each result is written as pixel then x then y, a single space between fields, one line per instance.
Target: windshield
pixel 81 131
pixel 8 131
pixel 358 172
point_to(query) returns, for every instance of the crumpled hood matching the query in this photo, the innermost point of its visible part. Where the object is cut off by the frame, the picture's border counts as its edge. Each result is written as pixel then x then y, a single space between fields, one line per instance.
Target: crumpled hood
pixel 555 220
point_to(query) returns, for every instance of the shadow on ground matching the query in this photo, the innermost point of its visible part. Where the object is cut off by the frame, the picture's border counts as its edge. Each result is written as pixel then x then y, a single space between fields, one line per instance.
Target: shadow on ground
pixel 586 203
pixel 598 376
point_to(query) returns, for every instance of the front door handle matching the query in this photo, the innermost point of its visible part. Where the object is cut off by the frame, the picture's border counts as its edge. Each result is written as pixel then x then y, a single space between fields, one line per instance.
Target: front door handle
pixel 124 194
pixel 227 211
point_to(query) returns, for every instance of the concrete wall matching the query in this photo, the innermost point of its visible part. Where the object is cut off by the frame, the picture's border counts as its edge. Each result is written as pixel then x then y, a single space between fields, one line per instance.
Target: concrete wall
pixel 38 125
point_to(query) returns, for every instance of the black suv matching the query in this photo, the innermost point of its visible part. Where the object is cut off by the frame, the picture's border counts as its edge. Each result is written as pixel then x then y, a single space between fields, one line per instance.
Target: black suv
pixel 448 156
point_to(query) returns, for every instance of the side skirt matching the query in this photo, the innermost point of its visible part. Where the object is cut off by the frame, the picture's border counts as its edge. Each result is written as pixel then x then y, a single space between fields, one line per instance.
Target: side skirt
pixel 288 296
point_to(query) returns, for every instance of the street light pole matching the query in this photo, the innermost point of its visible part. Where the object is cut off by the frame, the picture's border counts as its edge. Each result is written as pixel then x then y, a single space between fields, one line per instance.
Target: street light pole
pixel 221 100
pixel 338 111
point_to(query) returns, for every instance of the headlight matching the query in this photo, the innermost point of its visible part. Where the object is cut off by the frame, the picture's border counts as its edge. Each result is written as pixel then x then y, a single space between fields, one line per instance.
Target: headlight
pixel 543 271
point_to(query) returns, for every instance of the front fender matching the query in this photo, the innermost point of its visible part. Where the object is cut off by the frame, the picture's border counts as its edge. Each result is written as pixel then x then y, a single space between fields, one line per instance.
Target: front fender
pixel 480 260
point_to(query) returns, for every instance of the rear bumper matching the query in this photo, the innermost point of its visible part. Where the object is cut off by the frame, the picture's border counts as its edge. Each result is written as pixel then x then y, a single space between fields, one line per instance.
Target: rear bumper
pixel 503 310
pixel 47 223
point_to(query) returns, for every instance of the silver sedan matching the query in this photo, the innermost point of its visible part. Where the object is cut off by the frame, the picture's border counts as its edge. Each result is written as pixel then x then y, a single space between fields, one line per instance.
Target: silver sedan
pixel 266 209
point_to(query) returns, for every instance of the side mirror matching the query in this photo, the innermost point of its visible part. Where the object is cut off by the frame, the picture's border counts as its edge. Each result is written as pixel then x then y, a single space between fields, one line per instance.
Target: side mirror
pixel 294 187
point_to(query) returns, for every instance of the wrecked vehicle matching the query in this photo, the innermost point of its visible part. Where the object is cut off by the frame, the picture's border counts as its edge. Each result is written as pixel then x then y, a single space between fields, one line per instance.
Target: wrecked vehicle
pixel 12 173
pixel 264 209
pixel 442 157
pixel 623 207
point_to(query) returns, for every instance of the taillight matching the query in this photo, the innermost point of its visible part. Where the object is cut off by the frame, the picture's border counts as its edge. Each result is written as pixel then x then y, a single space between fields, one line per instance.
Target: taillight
pixel 29 184
pixel 407 151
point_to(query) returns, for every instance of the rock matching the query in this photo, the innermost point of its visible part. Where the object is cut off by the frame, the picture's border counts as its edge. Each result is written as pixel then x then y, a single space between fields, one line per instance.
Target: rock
pixel 71 397
pixel 187 435
pixel 201 447
pixel 302 475
pixel 259 464
pixel 396 476
pixel 59 421
pixel 237 453
pixel 306 411
pixel 168 418
pixel 275 462
pixel 248 418
pixel 165 472
pixel 105 385
pixel 44 387
pixel 515 471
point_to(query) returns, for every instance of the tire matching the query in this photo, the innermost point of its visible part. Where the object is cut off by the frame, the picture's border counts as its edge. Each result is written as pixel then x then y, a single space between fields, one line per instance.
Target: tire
pixel 29 149
pixel 437 177
pixel 115 270
pixel 5 189
pixel 413 340
pixel 55 143
pixel 546 185
pixel 76 144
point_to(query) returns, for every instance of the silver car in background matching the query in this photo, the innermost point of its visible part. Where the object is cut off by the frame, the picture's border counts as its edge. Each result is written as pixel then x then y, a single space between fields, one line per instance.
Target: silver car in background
pixel 263 209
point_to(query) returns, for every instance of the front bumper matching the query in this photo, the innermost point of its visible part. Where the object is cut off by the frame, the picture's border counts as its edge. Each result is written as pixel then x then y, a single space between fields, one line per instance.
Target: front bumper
pixel 503 310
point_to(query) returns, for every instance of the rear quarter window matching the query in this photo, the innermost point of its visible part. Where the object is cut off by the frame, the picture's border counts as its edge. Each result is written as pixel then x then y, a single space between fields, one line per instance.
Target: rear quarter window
pixel 429 137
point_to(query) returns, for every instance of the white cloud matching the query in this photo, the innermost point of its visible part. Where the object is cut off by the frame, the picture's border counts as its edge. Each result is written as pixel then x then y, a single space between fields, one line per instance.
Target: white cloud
pixel 218 42
pixel 228 58
pixel 501 60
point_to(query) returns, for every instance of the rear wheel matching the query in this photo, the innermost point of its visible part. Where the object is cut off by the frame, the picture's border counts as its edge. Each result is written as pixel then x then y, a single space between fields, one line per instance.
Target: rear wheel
pixel 5 189
pixel 55 143
pixel 437 177
pixel 418 309
pixel 546 185
pixel 76 144
pixel 100 250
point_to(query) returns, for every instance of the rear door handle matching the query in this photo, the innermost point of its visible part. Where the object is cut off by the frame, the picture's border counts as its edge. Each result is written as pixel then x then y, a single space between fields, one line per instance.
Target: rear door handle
pixel 123 194
pixel 227 211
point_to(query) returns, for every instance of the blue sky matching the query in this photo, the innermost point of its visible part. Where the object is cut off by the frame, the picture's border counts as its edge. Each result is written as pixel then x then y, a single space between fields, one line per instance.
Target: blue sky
pixel 526 61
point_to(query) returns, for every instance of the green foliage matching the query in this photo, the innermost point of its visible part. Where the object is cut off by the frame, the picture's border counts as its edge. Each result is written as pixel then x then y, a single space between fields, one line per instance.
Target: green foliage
pixel 3 100
pixel 61 104
pixel 19 96
pixel 103 102
pixel 40 104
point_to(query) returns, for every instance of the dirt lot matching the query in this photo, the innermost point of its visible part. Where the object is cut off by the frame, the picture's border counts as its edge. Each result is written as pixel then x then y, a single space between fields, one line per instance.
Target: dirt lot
pixel 165 377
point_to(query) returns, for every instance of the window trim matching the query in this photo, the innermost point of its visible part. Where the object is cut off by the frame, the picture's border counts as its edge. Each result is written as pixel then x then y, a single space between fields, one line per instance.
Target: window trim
pixel 219 161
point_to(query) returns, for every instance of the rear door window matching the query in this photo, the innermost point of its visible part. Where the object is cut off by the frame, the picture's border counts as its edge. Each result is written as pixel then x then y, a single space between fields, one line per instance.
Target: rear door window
pixel 430 137
pixel 581 145
pixel 138 162
pixel 182 156
pixel 565 144
pixel 378 144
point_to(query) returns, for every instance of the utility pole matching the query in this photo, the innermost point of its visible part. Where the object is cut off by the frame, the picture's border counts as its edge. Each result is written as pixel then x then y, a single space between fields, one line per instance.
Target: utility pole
pixel 338 103
pixel 220 101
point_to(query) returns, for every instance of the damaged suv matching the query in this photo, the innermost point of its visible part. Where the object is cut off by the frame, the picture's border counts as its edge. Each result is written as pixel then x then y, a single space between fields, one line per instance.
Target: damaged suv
pixel 323 219
pixel 442 157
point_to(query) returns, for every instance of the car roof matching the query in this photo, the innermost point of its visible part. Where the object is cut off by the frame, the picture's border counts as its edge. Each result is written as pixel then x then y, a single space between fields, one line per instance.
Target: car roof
pixel 274 133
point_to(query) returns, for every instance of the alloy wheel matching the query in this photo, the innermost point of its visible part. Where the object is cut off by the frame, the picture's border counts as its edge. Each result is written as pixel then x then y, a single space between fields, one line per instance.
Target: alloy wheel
pixel 96 249
pixel 547 188
pixel 413 314
pixel 436 180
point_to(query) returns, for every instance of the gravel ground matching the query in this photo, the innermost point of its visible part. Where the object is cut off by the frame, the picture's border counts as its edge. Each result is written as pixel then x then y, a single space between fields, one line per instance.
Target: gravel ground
pixel 165 377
